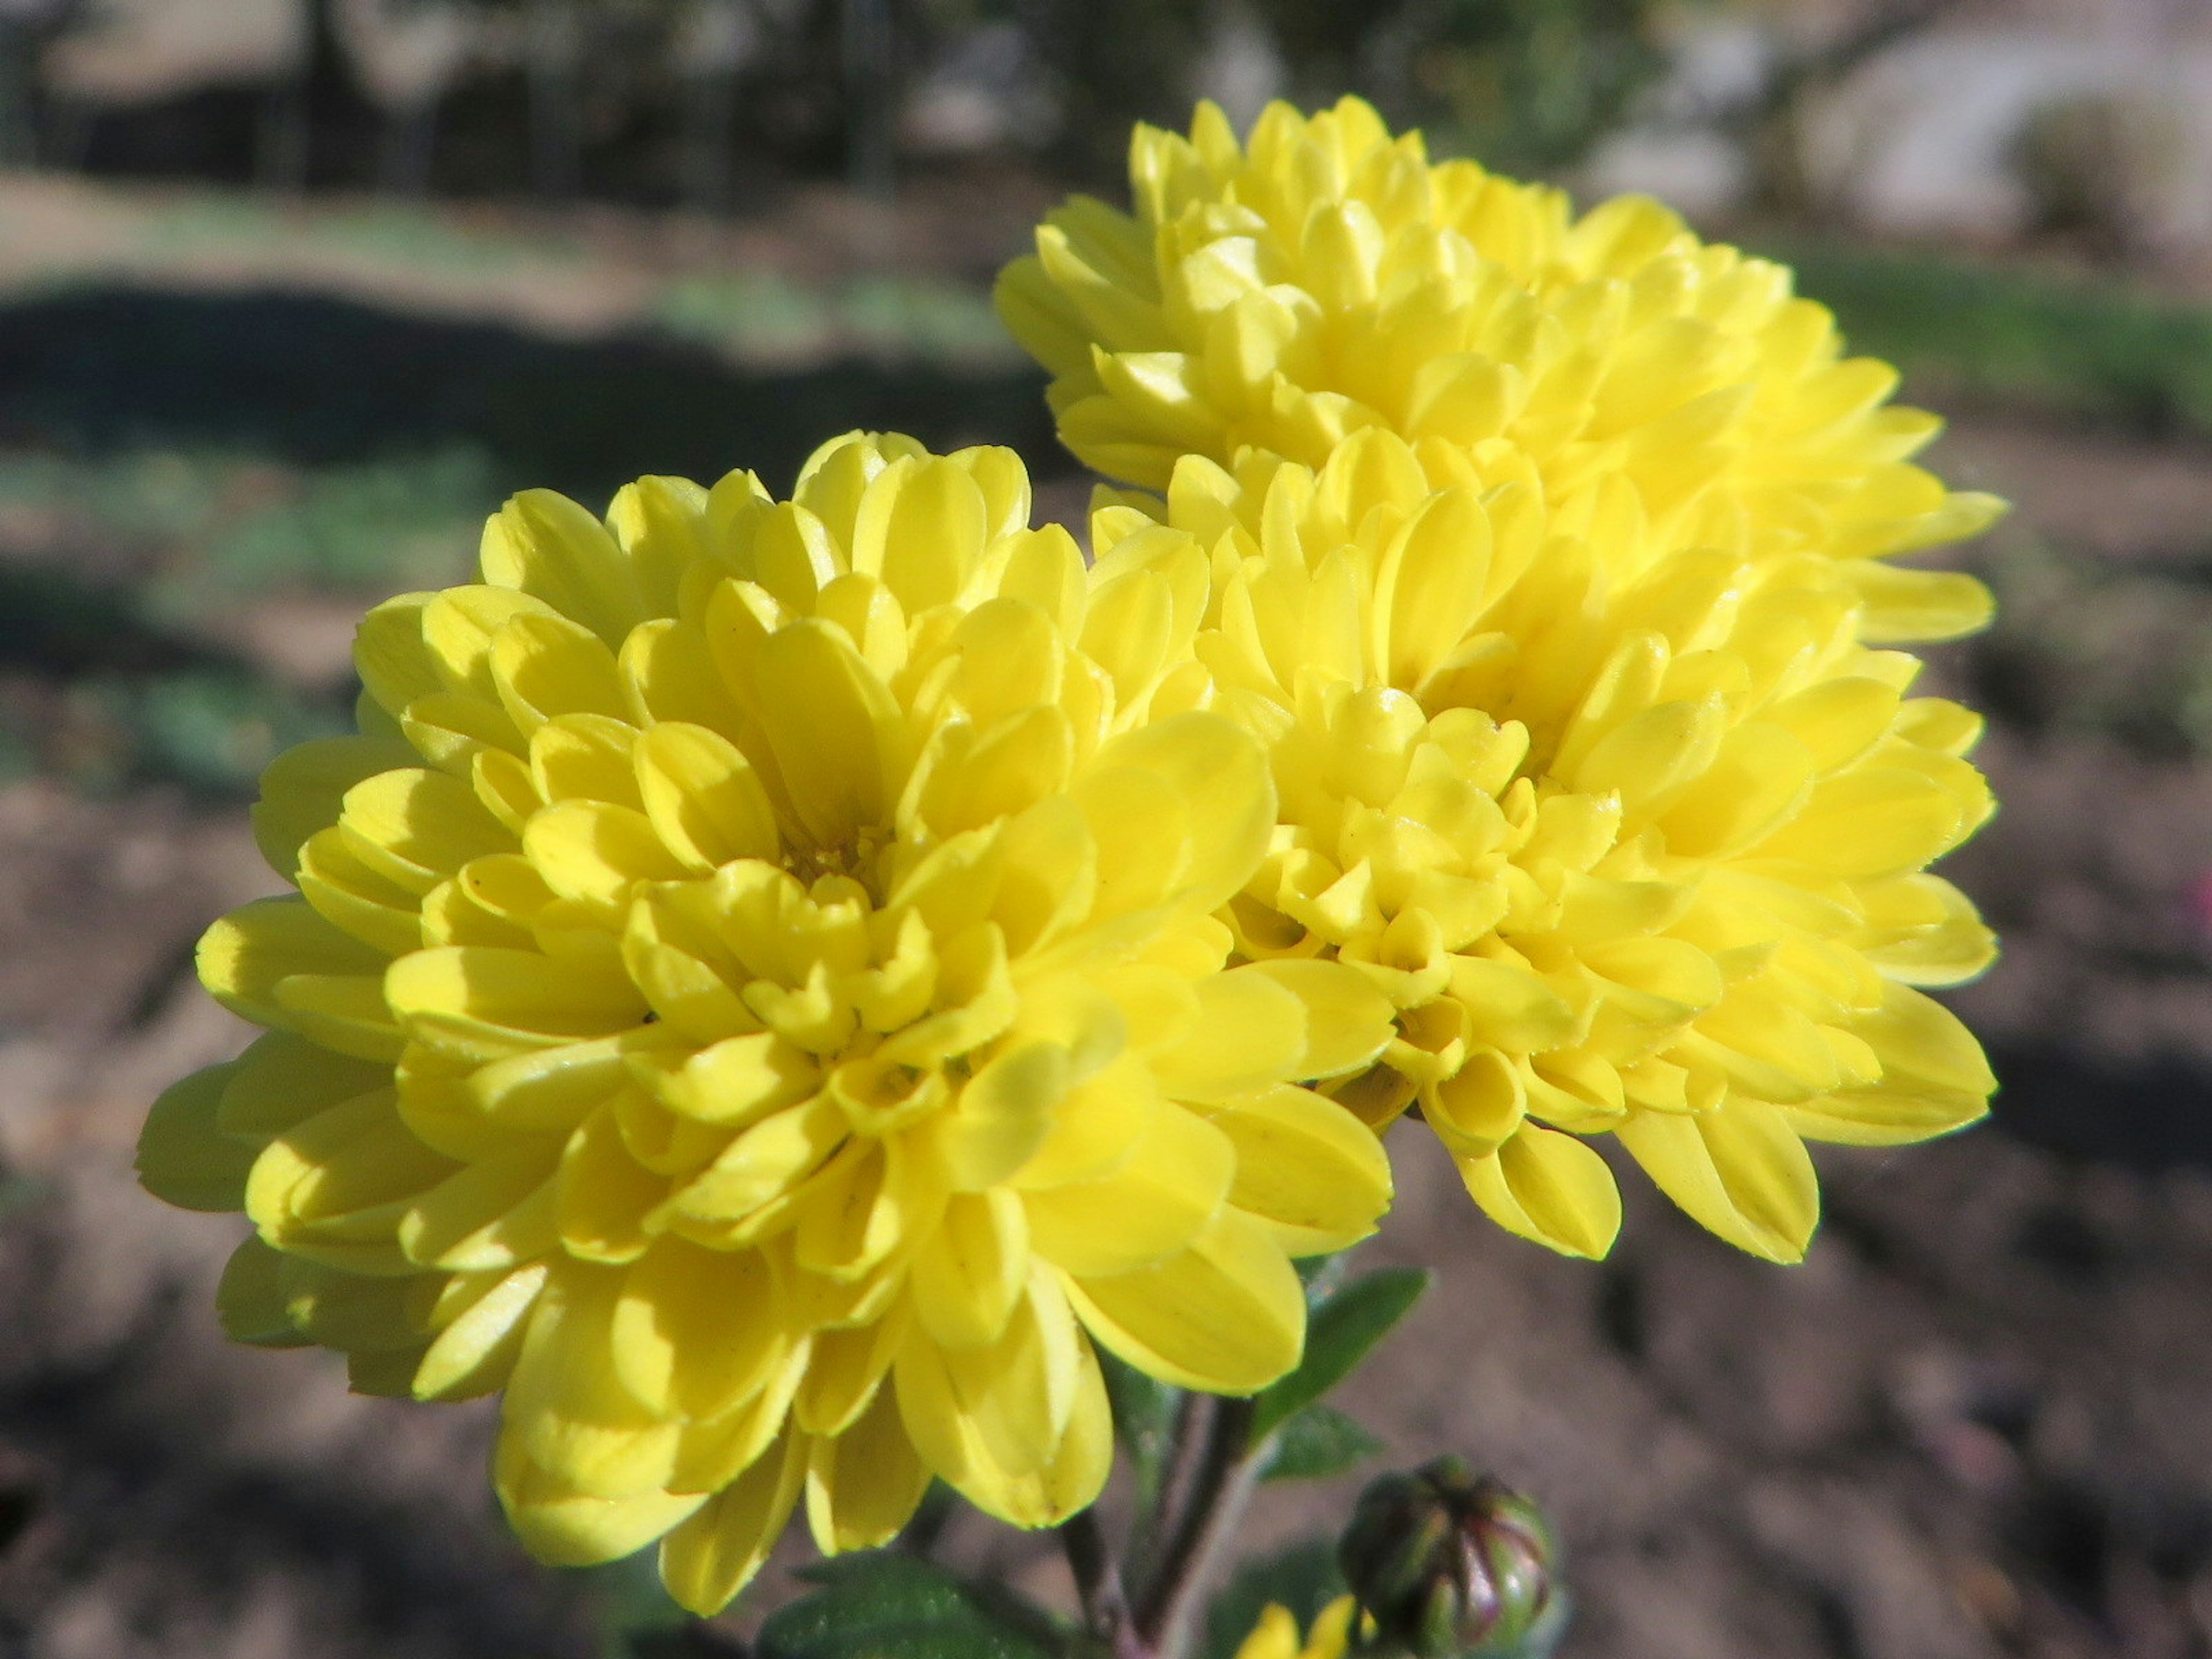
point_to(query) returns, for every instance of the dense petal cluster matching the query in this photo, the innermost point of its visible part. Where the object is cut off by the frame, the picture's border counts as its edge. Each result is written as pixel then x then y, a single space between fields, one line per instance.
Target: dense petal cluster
pixel 1327 277
pixel 1276 1635
pixel 754 995
pixel 1634 840
pixel 1549 560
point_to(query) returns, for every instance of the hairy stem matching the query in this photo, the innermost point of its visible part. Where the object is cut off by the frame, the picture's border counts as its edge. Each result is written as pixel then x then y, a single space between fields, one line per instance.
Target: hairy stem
pixel 1214 1437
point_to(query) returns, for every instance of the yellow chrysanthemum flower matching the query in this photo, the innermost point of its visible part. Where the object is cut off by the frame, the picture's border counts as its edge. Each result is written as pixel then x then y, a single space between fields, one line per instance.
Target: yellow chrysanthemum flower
pixel 1635 839
pixel 1327 278
pixel 753 997
pixel 1276 1635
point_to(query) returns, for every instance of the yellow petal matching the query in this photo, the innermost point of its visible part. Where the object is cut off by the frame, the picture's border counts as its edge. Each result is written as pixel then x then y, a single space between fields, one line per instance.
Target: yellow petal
pixel 1227 1315
pixel 696 1332
pixel 1899 605
pixel 250 1299
pixel 1550 1187
pixel 475 1351
pixel 490 1217
pixel 1305 1166
pixel 304 788
pixel 566 1403
pixel 246 956
pixel 554 550
pixel 765 1162
pixel 602 1195
pixel 596 853
pixel 1219 776
pixel 968 1274
pixel 1737 1170
pixel 706 803
pixel 416 827
pixel 1016 1426
pixel 482 1003
pixel 1250 1030
pixel 184 1157
pixel 1155 1204
pixel 1347 1020
pixel 563 1527
pixel 714 1554
pixel 839 739
pixel 864 1485
pixel 921 528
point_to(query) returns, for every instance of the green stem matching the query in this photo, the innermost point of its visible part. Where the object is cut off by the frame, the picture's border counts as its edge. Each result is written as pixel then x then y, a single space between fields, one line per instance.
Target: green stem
pixel 1219 1481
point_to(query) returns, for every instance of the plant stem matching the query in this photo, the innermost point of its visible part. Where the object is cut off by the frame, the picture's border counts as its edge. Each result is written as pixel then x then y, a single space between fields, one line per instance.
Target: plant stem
pixel 1207 1500
pixel 1098 1585
pixel 1173 1488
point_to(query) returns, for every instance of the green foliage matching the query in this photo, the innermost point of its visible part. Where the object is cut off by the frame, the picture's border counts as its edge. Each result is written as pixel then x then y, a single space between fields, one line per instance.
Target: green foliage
pixel 885 1605
pixel 1344 1327
pixel 211 729
pixel 1318 1443
pixel 408 521
pixel 633 1609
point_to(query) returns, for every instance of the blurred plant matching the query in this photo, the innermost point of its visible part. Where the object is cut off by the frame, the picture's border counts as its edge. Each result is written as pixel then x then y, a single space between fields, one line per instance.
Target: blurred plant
pixel 2114 169
pixel 1815 50
pixel 2087 644
pixel 26 26
pixel 2101 351
pixel 1524 86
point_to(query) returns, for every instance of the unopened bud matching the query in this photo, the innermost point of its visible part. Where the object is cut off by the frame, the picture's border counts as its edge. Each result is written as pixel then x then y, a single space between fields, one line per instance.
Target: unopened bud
pixel 1446 1565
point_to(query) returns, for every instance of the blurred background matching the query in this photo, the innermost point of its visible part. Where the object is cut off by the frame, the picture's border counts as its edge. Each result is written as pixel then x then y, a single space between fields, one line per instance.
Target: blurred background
pixel 292 292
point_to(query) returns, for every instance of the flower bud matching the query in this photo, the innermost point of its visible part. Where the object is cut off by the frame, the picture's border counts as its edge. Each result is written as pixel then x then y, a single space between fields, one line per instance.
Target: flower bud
pixel 1445 1564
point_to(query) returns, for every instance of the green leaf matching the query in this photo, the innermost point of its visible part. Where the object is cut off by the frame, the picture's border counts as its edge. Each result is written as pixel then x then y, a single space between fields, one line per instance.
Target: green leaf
pixel 1339 1334
pixel 1316 1443
pixel 1304 1578
pixel 885 1605
pixel 1144 1420
pixel 632 1608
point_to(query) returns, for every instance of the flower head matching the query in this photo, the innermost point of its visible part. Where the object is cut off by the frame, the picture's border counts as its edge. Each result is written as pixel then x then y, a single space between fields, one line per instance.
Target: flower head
pixel 753 997
pixel 1326 277
pixel 1634 839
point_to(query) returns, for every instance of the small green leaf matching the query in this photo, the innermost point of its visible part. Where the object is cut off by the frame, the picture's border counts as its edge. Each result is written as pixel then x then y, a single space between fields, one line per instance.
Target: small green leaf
pixel 1339 1334
pixel 1144 1420
pixel 631 1606
pixel 885 1605
pixel 1316 1443
pixel 1304 1578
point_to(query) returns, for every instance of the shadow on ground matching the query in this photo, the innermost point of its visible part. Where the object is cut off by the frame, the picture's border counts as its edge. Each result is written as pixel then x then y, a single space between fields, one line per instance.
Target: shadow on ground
pixel 317 380
pixel 2145 1114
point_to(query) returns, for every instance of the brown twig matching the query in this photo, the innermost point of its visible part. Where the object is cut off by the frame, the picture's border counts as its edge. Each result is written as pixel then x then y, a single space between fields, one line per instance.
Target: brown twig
pixel 1098 1587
